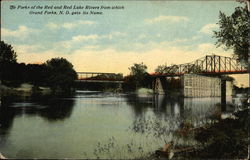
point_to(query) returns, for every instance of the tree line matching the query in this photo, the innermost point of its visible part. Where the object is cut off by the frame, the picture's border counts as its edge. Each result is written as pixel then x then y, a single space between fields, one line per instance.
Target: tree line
pixel 56 73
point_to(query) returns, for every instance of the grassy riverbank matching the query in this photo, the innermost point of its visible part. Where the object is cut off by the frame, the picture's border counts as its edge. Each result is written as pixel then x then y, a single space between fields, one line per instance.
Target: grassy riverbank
pixel 227 139
pixel 24 89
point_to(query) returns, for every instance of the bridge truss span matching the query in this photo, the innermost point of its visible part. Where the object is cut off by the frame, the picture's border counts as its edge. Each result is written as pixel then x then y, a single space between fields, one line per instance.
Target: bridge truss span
pixel 100 77
pixel 208 65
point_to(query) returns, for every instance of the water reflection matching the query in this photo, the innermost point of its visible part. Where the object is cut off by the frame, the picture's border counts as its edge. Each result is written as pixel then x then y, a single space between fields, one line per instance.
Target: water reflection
pixel 175 111
pixel 139 104
pixel 94 117
pixel 6 119
pixel 164 106
pixel 48 107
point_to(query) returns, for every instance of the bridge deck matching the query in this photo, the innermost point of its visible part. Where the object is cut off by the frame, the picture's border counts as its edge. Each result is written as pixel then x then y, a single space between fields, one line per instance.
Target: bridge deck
pixel 99 81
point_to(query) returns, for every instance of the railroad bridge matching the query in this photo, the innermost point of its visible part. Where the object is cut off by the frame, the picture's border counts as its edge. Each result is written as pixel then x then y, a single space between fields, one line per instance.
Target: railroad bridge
pixel 99 77
pixel 99 80
pixel 200 78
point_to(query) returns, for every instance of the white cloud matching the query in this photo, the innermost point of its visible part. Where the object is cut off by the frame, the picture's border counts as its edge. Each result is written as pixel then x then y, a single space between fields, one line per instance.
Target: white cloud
pixel 21 32
pixel 77 40
pixel 27 48
pixel 182 40
pixel 52 25
pixel 209 48
pixel 113 35
pixel 77 23
pixel 178 42
pixel 209 28
pixel 69 25
pixel 84 38
pixel 170 19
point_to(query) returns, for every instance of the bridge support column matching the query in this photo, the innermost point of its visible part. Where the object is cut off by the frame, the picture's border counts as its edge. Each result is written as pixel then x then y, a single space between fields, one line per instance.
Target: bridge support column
pixel 200 86
pixel 159 85
pixel 223 95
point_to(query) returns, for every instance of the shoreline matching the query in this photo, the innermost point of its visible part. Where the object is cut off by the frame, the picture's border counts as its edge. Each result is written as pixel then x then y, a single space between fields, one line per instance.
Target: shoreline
pixel 226 139
pixel 25 89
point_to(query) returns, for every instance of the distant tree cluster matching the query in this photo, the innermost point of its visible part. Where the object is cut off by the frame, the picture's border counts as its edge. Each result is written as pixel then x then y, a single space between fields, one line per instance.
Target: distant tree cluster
pixel 60 73
pixel 7 54
pixel 163 69
pixel 138 77
pixel 109 76
pixel 160 69
pixel 55 73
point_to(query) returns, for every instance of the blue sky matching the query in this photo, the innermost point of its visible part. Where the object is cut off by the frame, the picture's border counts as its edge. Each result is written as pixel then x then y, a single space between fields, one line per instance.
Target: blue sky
pixel 153 32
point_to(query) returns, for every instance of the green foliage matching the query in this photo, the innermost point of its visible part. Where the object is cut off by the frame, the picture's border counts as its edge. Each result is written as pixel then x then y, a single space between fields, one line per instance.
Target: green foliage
pixel 175 68
pixel 160 68
pixel 35 74
pixel 130 83
pixel 195 69
pixel 11 73
pixel 57 73
pixel 112 150
pixel 226 139
pixel 138 74
pixel 138 69
pixel 8 67
pixel 118 76
pixel 7 54
pixel 61 74
pixel 234 32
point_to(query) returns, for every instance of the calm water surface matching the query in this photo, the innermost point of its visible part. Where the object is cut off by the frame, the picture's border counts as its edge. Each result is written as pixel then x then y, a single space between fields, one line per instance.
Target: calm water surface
pixel 96 124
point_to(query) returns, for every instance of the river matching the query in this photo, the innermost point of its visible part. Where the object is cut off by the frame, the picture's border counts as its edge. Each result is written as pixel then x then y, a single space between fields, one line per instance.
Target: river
pixel 96 124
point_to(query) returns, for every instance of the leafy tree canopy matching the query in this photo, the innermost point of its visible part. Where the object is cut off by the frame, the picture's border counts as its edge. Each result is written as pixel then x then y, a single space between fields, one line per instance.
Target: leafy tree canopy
pixel 160 68
pixel 234 32
pixel 7 54
pixel 138 69
pixel 61 73
pixel 138 73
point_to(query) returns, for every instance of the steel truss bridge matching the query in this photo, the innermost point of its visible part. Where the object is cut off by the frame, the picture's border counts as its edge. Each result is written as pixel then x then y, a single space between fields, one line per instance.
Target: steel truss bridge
pixel 99 77
pixel 209 65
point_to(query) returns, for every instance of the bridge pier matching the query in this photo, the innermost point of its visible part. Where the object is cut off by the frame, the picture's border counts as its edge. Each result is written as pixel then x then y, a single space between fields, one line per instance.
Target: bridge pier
pixel 223 95
pixel 159 85
pixel 193 85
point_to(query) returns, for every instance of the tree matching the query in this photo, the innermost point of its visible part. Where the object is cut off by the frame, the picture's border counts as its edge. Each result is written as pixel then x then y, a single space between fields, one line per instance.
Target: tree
pixel 138 74
pixel 234 32
pixel 160 69
pixel 195 69
pixel 61 74
pixel 138 69
pixel 8 66
pixel 35 74
pixel 7 54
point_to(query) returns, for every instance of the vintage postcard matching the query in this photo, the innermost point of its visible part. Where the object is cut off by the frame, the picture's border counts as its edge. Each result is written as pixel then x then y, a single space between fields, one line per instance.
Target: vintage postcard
pixel 124 79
